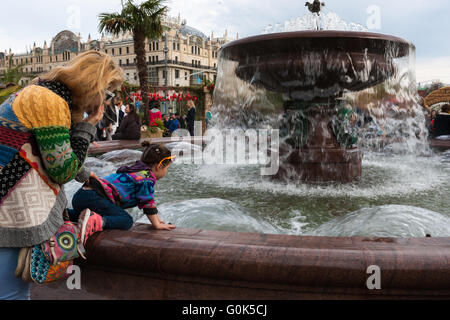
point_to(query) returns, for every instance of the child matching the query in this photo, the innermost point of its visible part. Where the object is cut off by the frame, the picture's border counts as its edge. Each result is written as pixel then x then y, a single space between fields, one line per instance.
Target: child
pixel 128 188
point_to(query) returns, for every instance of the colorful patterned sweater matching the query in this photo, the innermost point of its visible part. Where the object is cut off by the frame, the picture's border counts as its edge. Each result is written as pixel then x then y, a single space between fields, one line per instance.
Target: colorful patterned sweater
pixel 40 149
pixel 130 187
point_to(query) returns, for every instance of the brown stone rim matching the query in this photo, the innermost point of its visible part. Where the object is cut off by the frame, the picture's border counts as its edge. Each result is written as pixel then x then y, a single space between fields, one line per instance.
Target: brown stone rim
pixel 316 34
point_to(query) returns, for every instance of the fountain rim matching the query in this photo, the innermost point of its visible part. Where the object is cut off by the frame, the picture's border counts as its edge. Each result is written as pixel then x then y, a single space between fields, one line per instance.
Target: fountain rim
pixel 309 34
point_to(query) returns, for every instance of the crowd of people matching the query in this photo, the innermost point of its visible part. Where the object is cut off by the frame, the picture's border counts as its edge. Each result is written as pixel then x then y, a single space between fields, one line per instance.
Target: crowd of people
pixel 122 122
pixel 438 123
pixel 175 121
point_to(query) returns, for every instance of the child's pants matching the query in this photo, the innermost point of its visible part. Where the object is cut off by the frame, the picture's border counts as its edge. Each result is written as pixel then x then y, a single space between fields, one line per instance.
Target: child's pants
pixel 11 288
pixel 114 217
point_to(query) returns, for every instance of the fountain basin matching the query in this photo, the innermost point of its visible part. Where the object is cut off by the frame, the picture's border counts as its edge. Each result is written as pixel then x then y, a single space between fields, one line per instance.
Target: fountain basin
pixel 305 65
pixel 195 264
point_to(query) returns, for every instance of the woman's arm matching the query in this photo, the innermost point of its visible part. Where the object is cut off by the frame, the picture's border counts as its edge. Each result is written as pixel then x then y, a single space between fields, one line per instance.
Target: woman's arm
pixel 47 115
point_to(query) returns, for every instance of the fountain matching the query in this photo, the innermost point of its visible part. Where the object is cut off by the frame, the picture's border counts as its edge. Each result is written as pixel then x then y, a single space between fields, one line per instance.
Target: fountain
pixel 305 75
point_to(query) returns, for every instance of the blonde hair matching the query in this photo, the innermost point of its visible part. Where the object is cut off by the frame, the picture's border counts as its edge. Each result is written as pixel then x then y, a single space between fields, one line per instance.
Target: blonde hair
pixel 191 103
pixel 87 76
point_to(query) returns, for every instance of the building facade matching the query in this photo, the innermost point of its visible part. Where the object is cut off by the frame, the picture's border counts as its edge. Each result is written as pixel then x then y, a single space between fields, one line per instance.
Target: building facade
pixel 190 57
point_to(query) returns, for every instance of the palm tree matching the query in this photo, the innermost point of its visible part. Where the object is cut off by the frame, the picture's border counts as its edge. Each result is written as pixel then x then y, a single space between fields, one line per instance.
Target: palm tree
pixel 143 21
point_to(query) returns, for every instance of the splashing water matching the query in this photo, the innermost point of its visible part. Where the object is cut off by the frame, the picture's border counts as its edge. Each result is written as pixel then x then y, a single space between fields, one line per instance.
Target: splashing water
pixel 405 222
pixel 311 21
pixel 204 214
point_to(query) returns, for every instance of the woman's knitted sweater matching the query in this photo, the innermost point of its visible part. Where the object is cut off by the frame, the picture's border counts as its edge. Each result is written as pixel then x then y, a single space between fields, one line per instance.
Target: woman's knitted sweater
pixel 40 150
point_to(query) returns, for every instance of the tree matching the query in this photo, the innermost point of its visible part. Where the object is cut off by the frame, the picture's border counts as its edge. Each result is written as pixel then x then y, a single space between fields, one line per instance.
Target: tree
pixel 142 21
pixel 12 74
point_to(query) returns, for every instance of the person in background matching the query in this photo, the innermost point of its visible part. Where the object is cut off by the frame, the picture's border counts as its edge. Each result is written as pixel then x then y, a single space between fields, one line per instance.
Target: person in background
pixel 120 114
pixel 155 114
pixel 190 118
pixel 430 120
pixel 181 120
pixel 174 124
pixel 208 118
pixel 130 128
pixel 442 123
pixel 166 121
pixel 110 117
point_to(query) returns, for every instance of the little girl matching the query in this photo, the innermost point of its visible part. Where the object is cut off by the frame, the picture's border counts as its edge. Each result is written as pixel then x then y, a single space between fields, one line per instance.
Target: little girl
pixel 131 186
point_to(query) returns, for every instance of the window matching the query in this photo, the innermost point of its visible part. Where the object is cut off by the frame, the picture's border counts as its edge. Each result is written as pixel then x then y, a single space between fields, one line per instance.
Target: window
pixel 178 46
pixel 177 74
pixel 176 59
pixel 128 49
pixel 185 76
pixel 113 51
pixel 157 59
pixel 120 51
pixel 128 62
pixel 120 62
pixel 106 51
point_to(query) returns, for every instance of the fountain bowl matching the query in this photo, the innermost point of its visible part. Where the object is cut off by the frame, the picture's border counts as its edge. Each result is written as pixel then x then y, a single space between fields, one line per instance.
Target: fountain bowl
pixel 309 65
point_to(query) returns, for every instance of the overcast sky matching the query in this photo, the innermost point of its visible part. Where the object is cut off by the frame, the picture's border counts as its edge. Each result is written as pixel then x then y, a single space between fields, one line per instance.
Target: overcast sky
pixel 425 23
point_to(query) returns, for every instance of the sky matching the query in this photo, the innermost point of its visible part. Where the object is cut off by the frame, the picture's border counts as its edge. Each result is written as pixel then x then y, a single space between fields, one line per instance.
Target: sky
pixel 423 22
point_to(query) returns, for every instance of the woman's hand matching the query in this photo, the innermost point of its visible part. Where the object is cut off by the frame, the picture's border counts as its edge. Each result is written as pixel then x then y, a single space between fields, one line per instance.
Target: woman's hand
pixel 95 118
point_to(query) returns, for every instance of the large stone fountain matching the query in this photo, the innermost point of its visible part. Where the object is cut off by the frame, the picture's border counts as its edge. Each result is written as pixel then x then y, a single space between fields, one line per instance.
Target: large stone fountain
pixel 311 71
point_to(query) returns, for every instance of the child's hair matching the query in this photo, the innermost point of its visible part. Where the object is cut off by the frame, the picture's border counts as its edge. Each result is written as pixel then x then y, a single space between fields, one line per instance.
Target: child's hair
pixel 155 153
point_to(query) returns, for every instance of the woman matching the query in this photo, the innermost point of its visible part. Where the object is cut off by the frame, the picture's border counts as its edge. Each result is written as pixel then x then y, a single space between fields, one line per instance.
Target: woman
pixel 190 118
pixel 43 145
pixel 130 128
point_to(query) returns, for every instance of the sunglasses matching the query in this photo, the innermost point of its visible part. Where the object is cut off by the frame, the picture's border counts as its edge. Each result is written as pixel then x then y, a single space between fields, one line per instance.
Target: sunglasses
pixel 166 161
pixel 109 95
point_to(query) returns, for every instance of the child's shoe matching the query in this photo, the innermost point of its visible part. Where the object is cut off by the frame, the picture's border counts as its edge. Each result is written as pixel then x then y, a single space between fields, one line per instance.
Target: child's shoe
pixel 89 223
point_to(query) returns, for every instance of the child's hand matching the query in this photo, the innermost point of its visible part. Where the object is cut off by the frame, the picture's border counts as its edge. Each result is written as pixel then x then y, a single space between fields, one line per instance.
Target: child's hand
pixel 158 224
pixel 163 226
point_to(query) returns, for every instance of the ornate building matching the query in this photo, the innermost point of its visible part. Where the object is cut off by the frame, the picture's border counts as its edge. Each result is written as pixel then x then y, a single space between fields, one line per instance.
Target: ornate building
pixel 191 56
